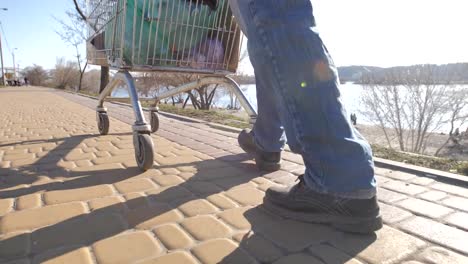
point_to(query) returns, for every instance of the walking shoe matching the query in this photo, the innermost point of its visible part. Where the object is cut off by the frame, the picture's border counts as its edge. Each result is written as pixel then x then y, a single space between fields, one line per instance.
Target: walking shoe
pixel 298 202
pixel 266 161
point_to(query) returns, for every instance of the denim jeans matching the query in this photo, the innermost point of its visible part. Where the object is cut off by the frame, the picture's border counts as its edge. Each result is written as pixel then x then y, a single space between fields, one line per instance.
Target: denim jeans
pixel 298 96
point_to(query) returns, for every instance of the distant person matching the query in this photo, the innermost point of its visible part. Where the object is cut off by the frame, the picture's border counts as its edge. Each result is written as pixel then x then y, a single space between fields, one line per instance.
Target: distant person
pixel 298 96
pixel 26 81
pixel 354 118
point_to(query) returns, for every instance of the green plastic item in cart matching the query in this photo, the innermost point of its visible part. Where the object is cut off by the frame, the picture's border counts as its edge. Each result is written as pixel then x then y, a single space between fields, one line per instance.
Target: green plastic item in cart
pixel 162 28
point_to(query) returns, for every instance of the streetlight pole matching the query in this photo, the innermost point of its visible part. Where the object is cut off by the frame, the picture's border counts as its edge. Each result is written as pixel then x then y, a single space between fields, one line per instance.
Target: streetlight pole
pixel 14 64
pixel 1 53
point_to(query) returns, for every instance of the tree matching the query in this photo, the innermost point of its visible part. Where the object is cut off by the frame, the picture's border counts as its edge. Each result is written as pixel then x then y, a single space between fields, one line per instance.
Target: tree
pixel 408 104
pixel 74 33
pixel 36 75
pixel 65 75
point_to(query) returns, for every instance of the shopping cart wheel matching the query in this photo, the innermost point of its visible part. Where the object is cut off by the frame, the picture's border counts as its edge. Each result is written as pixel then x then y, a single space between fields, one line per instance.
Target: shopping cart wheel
pixel 144 153
pixel 103 122
pixel 154 117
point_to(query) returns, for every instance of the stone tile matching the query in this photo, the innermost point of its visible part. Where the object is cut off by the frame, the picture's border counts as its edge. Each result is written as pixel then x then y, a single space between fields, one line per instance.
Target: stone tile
pixel 453 189
pixel 71 256
pixel 134 185
pixel 458 219
pixel 295 236
pixel 175 258
pixel 19 261
pixel 235 217
pixel 35 218
pixel 457 202
pixel 300 258
pixel 29 201
pixel 205 227
pixel 152 216
pixel 135 200
pixel 197 207
pixel 424 181
pixel 173 237
pixel 433 195
pixel 15 245
pixel 389 196
pixel 381 179
pixel 404 187
pixel 259 247
pixel 78 194
pixel 421 207
pixel 167 180
pixel 436 232
pixel 221 251
pixel 126 248
pixel 107 203
pixel 202 187
pixel 246 196
pixel 399 175
pixel 221 201
pixel 392 214
pixel 397 245
pixel 438 255
pixel 329 254
pixel 6 205
pixel 169 194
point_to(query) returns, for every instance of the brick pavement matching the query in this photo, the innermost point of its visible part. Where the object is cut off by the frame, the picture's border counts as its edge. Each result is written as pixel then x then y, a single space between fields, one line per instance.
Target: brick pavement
pixel 68 195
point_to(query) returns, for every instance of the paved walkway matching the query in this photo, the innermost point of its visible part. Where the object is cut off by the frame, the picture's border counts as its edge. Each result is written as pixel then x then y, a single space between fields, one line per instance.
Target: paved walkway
pixel 68 195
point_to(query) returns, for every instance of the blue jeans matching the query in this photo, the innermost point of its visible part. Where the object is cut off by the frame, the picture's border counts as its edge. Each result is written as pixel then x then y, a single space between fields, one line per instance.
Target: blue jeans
pixel 297 94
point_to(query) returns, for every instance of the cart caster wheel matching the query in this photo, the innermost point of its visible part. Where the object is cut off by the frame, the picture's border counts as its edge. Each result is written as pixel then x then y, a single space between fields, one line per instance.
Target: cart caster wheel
pixel 103 122
pixel 154 119
pixel 144 153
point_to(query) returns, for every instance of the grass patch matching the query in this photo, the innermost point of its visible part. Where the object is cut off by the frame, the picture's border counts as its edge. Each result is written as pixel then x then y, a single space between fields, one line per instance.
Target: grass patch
pixel 207 115
pixel 443 164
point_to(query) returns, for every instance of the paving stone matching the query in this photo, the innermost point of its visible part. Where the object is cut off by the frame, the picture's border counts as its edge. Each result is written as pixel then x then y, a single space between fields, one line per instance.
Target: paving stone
pixel 18 261
pixel 424 181
pixel 176 258
pixel 329 254
pixel 246 196
pixel 107 203
pixel 197 207
pixel 81 230
pixel 396 244
pixel 259 247
pixel 399 175
pixel 436 232
pixel 458 219
pixel 15 245
pixel 221 251
pixel 126 248
pixel 404 187
pixel 235 217
pixel 78 194
pixel 433 195
pixel 167 180
pixel 392 214
pixel 205 227
pixel 457 202
pixel 135 200
pixel 453 189
pixel 202 187
pixel 6 205
pixel 425 208
pixel 221 201
pixel 134 185
pixel 173 237
pixel 438 255
pixel 29 201
pixel 61 256
pixel 389 196
pixel 295 236
pixel 300 258
pixel 152 216
pixel 380 179
pixel 169 194
pixel 35 218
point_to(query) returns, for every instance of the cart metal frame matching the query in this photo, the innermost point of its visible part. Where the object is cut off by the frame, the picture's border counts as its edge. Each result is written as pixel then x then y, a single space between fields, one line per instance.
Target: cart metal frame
pixel 111 15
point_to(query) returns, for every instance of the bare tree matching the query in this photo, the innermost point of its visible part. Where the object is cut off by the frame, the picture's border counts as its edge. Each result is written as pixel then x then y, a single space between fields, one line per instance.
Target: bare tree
pixel 65 75
pixel 36 75
pixel 408 104
pixel 74 33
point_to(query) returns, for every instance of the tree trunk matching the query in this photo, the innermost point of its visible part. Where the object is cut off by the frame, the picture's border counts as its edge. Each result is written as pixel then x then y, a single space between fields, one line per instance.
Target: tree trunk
pixel 81 76
pixel 104 78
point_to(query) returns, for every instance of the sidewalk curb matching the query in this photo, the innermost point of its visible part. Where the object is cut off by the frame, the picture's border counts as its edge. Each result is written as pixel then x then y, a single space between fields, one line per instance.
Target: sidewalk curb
pixel 442 176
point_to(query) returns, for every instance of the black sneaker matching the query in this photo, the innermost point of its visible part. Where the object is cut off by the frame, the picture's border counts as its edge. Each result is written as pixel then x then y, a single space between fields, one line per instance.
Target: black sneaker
pixel 266 161
pixel 299 202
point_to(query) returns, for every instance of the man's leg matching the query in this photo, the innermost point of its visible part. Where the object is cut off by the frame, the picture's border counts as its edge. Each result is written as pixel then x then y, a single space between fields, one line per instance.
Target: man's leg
pixel 338 186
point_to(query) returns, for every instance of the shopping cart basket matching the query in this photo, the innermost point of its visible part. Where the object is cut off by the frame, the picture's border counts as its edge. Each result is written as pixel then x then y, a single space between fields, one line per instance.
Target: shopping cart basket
pixel 186 36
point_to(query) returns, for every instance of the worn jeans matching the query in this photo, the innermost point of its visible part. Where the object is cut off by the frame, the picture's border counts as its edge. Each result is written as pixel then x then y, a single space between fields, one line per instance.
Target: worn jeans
pixel 298 96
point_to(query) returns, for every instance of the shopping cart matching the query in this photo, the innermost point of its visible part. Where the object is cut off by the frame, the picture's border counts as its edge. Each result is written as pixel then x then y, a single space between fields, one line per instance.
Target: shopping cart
pixel 183 36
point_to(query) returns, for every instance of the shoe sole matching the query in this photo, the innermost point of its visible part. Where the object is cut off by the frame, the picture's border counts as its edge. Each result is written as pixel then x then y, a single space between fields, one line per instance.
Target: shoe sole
pixel 347 224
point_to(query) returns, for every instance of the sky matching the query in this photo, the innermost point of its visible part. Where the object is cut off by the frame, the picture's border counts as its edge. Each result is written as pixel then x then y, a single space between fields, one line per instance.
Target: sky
pixel 356 32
